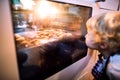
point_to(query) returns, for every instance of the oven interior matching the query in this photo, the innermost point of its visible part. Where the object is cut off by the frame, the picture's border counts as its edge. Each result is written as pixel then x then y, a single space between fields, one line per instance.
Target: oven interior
pixel 49 36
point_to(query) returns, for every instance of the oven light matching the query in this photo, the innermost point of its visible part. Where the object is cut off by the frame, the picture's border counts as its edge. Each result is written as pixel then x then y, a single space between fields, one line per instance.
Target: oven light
pixel 45 9
pixel 27 4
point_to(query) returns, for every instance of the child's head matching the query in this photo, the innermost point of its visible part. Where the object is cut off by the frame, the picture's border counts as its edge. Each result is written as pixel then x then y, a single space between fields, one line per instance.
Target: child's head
pixel 104 31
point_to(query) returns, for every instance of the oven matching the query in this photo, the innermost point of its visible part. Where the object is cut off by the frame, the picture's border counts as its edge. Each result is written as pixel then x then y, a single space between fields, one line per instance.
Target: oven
pixel 49 36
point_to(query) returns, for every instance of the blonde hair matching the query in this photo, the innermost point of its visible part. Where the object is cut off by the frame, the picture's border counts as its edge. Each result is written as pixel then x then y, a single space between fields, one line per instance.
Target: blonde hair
pixel 107 26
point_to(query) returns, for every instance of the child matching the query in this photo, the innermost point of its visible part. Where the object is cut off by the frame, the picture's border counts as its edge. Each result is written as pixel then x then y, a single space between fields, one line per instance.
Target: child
pixel 103 34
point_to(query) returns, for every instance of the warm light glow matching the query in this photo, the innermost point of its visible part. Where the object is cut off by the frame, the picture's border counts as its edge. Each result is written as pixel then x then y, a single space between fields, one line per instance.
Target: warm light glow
pixel 44 41
pixel 45 9
pixel 27 4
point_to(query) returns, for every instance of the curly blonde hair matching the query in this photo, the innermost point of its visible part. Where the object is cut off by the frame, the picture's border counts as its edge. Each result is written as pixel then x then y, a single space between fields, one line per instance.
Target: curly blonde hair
pixel 107 26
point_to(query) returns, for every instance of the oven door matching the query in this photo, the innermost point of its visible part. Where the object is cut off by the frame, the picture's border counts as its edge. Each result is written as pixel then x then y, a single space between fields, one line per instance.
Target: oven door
pixel 49 36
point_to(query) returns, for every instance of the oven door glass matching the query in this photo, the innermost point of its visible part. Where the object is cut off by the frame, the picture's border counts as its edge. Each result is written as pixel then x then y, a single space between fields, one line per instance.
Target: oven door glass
pixel 49 36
